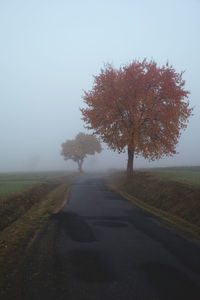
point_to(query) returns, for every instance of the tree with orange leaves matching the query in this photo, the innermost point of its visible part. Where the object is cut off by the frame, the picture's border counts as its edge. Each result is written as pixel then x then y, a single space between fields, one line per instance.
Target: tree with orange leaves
pixel 140 107
pixel 80 147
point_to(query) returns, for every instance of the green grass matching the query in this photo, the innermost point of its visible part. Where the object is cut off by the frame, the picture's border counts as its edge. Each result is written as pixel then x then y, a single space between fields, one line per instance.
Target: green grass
pixel 9 188
pixel 34 176
pixel 187 175
pixel 13 183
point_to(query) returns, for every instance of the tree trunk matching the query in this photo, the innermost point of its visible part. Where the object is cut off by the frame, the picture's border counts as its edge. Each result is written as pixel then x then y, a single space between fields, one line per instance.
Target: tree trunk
pixel 130 163
pixel 80 163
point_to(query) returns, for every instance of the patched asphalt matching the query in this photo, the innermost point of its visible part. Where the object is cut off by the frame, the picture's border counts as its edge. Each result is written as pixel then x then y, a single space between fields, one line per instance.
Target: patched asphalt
pixel 102 247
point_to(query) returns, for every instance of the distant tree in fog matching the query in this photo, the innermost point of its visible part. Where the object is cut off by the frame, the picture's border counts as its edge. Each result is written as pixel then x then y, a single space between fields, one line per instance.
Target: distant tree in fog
pixel 80 147
pixel 139 107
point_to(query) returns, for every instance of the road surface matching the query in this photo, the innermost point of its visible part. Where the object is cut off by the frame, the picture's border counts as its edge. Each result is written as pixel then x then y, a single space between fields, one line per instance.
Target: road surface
pixel 102 247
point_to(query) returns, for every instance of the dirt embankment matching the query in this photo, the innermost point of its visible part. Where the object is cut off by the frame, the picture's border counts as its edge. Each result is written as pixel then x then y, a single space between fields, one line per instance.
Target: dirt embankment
pixel 179 199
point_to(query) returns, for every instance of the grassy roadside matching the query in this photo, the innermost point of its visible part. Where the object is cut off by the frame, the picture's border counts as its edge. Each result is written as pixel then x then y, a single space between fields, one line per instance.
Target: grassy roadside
pixel 15 237
pixel 11 188
pixel 14 206
pixel 13 183
pixel 187 175
pixel 176 203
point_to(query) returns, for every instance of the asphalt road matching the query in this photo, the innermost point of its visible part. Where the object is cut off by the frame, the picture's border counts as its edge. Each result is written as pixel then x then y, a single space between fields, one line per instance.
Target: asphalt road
pixel 100 246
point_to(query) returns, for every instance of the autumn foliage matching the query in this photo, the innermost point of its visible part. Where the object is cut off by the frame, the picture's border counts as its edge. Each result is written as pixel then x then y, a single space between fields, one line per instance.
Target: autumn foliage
pixel 80 147
pixel 140 107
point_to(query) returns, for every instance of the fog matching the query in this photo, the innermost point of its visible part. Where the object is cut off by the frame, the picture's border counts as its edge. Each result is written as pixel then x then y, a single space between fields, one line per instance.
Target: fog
pixel 49 52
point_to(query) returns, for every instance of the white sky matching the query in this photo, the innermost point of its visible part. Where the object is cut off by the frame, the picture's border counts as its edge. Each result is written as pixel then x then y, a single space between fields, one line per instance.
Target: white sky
pixel 49 51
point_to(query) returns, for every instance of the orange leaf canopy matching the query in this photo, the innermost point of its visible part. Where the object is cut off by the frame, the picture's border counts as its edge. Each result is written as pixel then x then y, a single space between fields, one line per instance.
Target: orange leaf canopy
pixel 141 106
pixel 80 147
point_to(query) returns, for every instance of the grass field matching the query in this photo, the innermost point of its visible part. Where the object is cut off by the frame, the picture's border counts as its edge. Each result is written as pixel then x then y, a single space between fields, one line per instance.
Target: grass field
pixel 187 175
pixel 10 188
pixel 12 183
